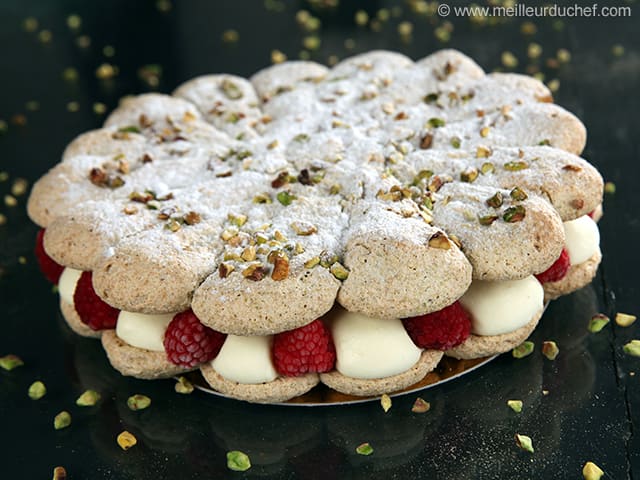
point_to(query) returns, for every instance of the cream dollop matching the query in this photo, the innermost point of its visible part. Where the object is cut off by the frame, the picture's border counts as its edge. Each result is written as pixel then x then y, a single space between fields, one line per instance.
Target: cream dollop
pixel 582 239
pixel 67 284
pixel 499 307
pixel 246 359
pixel 143 330
pixel 371 348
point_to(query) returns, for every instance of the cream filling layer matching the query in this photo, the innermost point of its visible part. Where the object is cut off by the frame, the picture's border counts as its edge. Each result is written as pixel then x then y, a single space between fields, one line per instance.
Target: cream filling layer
pixel 582 239
pixel 371 348
pixel 142 330
pixel 246 359
pixel 67 284
pixel 499 307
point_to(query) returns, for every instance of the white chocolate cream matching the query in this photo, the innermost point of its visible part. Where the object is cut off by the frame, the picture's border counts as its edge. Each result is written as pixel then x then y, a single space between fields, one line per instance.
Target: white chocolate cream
pixel 142 330
pixel 582 239
pixel 67 284
pixel 502 306
pixel 246 359
pixel 371 347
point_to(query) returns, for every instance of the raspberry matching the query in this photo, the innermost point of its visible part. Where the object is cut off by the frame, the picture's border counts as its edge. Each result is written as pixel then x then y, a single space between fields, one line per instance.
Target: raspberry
pixel 440 330
pixel 48 265
pixel 93 311
pixel 189 343
pixel 558 270
pixel 305 349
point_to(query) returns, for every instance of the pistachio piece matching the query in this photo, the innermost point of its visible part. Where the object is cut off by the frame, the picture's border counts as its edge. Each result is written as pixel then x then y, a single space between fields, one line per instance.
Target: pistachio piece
pixel 312 262
pixel 609 188
pixel 516 166
pixel 495 201
pixel 364 449
pixel 304 228
pixel 385 402
pixel 138 402
pixel 172 225
pixel 280 268
pixel 514 214
pixel 524 443
pixel 285 197
pixel 255 272
pixel 571 168
pixel 9 362
pixel 632 348
pixel 598 322
pixel 126 440
pixel 515 405
pixel 550 349
pixel 59 473
pixel 523 350
pixel 483 152
pixel 262 198
pixel 431 98
pixel 484 132
pixel 439 240
pixel 339 271
pixel 183 386
pixel 37 390
pixel 191 218
pixel 301 137
pixel 591 471
pixel 624 319
pixel 422 176
pixel 327 259
pixel 487 167
pixel 225 269
pixel 469 175
pixel 229 233
pixel 279 236
pixel 518 195
pixel 455 142
pixel 435 122
pixel 238 461
pixel 231 90
pixel 426 141
pixel 487 219
pixel 62 420
pixel 420 406
pixel 88 399
pixel 249 253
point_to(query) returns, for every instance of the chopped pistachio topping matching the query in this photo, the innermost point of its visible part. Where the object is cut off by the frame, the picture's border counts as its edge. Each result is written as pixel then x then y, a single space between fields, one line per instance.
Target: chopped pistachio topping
pixel 550 349
pixel 301 137
pixel 225 269
pixel 285 198
pixel 483 152
pixel 598 322
pixel 487 220
pixel 138 402
pixel 455 142
pixel 469 175
pixel 439 240
pixel 262 198
pixel 183 386
pixel 524 443
pixel 495 201
pixel 487 167
pixel 632 348
pixel 426 141
pixel 523 350
pixel 514 214
pixel 231 89
pixel 312 262
pixel 624 319
pixel 422 176
pixel 62 420
pixel 484 132
pixel 435 122
pixel 126 440
pixel 255 271
pixel 516 165
pixel 364 449
pixel 420 406
pixel 591 471
pixel 515 405
pixel 609 188
pixel 249 253
pixel 385 402
pixel 238 461
pixel 544 142
pixel 303 228
pixel 339 271
pixel 518 195
pixel 9 362
pixel 88 399
pixel 280 267
pixel 37 390
pixel 237 220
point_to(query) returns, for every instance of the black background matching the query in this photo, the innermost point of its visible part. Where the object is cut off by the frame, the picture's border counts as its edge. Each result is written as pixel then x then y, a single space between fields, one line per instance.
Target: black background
pixel 591 410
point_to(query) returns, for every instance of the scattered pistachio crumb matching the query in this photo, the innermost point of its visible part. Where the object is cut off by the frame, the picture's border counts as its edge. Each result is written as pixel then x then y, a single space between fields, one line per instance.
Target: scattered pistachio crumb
pixel 361 18
pixel 632 348
pixel 106 71
pixel 550 349
pixel 183 386
pixel 364 449
pixel 339 271
pixel 9 362
pixel 609 188
pixel 277 56
pixel 523 350
pixel 126 440
pixel 22 260
pixel 515 405
pixel 45 36
pixel 625 319
pixel 37 390
pixel 238 461
pixel 524 442
pixel 591 471
pixel 385 401
pixel 62 420
pixel 509 60
pixel 74 22
pixel 88 398
pixel 405 29
pixel 598 322
pixel 19 187
pixel 59 473
pixel 99 108
pixel 534 50
pixel 10 201
pixel 420 406
pixel 30 24
pixel 563 55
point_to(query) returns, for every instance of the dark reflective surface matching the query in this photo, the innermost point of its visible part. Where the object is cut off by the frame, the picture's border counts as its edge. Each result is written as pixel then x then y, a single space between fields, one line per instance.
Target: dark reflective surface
pixel 584 406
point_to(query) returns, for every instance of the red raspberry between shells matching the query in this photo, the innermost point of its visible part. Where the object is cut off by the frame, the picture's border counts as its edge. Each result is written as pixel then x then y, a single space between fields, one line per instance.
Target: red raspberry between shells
pixel 189 343
pixel 558 270
pixel 93 311
pixel 304 350
pixel 49 267
pixel 440 330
